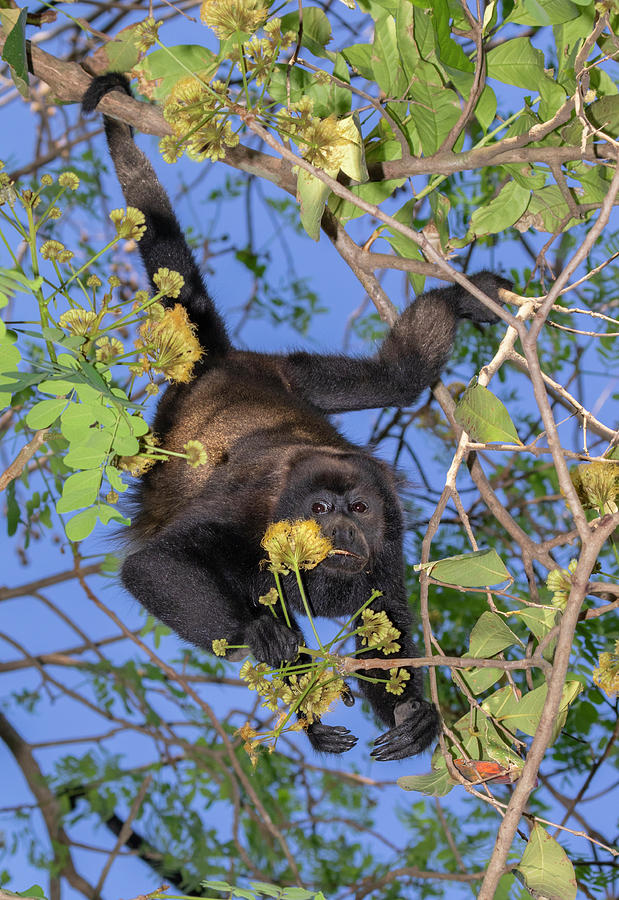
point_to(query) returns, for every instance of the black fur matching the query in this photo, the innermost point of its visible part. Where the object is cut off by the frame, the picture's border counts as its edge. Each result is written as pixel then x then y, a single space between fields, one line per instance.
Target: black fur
pixel 273 454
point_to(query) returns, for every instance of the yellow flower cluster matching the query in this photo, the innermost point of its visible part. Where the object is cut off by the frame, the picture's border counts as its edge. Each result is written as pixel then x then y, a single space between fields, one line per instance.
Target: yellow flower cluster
pixel 559 581
pixel 170 345
pixel 129 223
pixel 196 454
pixel 255 676
pixel 220 647
pixel 597 486
pixel 325 690
pixel 108 349
pixel 397 681
pixel 318 691
pixel 261 54
pixel 145 34
pixel 136 465
pixel 78 321
pixel 144 460
pixel 169 282
pixel 250 744
pixel 269 599
pixel 606 676
pixel 229 17
pixel 56 250
pixel 191 109
pixel 69 180
pixel 377 631
pixel 295 544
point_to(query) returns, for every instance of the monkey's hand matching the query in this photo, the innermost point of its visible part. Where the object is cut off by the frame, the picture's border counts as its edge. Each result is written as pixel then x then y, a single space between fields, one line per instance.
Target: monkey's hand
pixel 271 641
pixel 417 725
pixel 471 308
pixel 330 738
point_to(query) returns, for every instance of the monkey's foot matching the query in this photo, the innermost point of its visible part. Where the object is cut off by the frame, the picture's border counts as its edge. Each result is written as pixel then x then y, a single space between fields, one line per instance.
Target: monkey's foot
pixel 412 735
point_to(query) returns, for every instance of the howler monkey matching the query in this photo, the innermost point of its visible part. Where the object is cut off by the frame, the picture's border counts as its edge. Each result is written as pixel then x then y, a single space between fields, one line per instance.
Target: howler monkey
pixel 272 455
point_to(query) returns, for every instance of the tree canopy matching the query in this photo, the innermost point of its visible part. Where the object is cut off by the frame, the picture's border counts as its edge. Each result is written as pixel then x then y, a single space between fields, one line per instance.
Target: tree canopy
pixel 390 142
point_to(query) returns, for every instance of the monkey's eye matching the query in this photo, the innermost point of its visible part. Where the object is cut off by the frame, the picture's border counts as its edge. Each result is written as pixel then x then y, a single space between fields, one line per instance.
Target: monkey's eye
pixel 320 508
pixel 359 506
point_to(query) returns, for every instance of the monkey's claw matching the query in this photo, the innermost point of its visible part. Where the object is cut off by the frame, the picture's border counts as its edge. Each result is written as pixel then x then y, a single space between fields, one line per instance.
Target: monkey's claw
pixel 330 738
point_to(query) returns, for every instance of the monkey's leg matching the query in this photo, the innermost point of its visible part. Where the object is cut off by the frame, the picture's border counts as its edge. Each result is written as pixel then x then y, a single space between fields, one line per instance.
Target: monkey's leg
pixel 411 357
pixel 413 722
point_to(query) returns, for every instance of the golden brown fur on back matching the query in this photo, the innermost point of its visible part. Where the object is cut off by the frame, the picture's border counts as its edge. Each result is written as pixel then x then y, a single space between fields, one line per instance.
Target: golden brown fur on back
pixel 250 426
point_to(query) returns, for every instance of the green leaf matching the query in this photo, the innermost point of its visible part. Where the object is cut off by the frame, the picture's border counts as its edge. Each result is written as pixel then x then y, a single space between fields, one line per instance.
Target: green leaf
pixel 372 192
pixel 449 52
pixel 33 891
pixel 479 680
pixel 57 386
pixel 125 444
pixel 14 51
pixel 490 635
pixel 481 568
pixel 434 108
pixel 13 515
pixel 45 412
pixel 538 619
pixel 166 66
pixel 230 889
pixel 81 525
pixel 79 490
pixel 107 513
pixel 407 48
pixel 10 358
pixel 296 893
pixel 264 887
pixel 546 867
pixel 359 56
pixel 434 784
pixel 571 690
pixel 503 210
pixel 603 113
pixel 316 29
pixel 403 246
pixel 522 715
pixel 90 452
pixel 121 52
pixel 353 158
pixel 115 479
pixel 484 417
pixel 12 281
pixel 312 194
pixel 543 12
pixel 93 377
pixel 517 62
pixel 76 420
pixel 385 58
pixel 548 211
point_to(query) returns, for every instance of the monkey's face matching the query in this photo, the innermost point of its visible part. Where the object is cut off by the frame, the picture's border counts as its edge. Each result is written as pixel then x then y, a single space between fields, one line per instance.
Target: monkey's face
pixel 350 521
pixel 342 494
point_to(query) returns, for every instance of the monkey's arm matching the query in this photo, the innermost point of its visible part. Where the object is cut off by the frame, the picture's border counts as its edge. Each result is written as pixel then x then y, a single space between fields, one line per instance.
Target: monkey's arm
pixel 163 245
pixel 411 357
pixel 195 580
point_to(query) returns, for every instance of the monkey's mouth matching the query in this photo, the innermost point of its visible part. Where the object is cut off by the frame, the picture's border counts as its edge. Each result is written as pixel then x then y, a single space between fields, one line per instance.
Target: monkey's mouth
pixel 345 561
